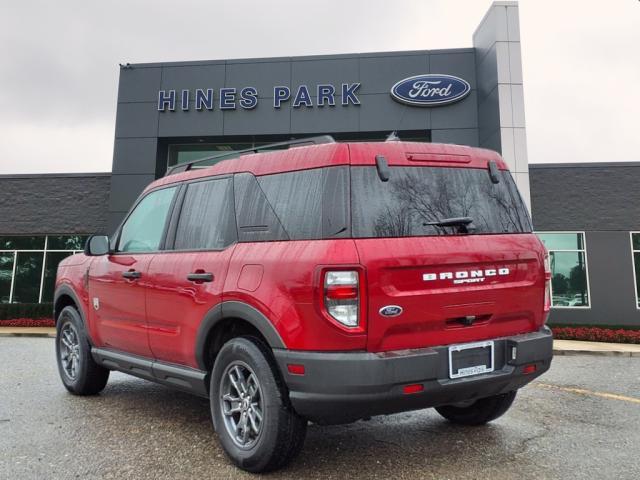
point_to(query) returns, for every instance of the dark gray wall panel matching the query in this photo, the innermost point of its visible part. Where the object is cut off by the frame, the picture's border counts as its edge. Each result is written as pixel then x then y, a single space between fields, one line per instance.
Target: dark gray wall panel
pixel 335 71
pixel 137 120
pixel 488 116
pixel 611 284
pixel 134 155
pixel 325 119
pixel 263 76
pixel 459 136
pixel 585 196
pixel 191 123
pixel 125 189
pixel 200 76
pixel 487 71
pixel 379 74
pixel 262 120
pixel 461 65
pixel 59 203
pixel 139 84
pixel 381 112
pixel 462 114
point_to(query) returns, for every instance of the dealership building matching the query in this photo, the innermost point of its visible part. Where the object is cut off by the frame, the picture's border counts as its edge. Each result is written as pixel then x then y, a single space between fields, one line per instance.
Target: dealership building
pixel 171 113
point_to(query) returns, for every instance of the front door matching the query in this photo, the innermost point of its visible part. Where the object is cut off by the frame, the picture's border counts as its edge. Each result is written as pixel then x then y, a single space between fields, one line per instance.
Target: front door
pixel 118 282
pixel 188 278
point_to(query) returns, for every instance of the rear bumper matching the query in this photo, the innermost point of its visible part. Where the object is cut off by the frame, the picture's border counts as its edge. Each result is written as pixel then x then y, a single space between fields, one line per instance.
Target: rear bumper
pixel 346 386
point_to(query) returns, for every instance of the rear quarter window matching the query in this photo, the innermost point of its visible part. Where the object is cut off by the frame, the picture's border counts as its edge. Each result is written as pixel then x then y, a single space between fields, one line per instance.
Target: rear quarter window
pixel 310 204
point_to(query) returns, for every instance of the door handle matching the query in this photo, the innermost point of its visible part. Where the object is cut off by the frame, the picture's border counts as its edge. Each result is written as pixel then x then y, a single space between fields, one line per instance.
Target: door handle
pixel 131 274
pixel 200 277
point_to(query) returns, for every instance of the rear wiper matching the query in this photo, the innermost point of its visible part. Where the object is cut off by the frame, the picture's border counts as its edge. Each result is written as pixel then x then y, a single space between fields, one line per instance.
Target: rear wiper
pixel 464 222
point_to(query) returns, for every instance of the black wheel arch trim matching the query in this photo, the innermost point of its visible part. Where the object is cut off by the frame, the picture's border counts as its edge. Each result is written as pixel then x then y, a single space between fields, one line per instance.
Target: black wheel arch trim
pixel 67 290
pixel 234 309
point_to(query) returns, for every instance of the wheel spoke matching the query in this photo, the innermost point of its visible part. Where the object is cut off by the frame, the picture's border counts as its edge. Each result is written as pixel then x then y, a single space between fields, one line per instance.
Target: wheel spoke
pixel 245 429
pixel 241 380
pixel 235 383
pixel 253 386
pixel 254 421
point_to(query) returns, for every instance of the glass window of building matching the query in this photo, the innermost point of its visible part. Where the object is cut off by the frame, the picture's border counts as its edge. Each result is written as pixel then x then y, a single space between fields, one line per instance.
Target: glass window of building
pixel 569 272
pixel 28 265
pixel 635 249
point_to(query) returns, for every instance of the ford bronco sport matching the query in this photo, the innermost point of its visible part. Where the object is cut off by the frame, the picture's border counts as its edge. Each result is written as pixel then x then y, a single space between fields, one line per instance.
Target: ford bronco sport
pixel 327 282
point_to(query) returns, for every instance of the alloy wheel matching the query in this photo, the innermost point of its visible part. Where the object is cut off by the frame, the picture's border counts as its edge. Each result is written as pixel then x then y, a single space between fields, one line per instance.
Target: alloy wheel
pixel 70 351
pixel 241 402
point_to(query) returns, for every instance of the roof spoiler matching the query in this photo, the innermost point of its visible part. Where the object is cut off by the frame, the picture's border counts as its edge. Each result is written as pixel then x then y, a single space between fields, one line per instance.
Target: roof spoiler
pixel 184 167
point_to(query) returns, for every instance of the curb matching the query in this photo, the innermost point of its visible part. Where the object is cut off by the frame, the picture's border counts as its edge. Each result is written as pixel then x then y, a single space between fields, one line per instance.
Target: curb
pixel 26 334
pixel 596 353
pixel 44 332
pixel 556 351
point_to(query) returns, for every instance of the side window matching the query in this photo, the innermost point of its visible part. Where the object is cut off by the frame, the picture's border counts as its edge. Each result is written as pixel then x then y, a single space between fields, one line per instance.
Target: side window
pixel 310 204
pixel 143 230
pixel 569 271
pixel 206 218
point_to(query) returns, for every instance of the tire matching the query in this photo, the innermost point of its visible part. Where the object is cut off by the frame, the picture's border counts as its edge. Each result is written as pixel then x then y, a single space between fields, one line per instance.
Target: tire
pixel 245 364
pixel 80 374
pixel 479 412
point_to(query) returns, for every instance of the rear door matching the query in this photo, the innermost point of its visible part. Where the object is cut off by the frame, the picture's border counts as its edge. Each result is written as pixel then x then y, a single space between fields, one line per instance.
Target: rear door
pixel 451 285
pixel 188 277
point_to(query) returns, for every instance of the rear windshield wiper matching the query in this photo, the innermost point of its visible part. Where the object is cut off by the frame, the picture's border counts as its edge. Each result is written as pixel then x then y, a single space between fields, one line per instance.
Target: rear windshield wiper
pixel 463 222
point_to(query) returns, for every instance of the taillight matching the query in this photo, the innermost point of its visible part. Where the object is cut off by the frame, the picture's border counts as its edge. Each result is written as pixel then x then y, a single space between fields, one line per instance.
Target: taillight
pixel 547 287
pixel 342 296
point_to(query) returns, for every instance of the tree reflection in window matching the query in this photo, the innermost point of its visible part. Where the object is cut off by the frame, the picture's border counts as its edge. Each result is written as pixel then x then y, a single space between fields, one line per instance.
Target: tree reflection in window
pixel 414 196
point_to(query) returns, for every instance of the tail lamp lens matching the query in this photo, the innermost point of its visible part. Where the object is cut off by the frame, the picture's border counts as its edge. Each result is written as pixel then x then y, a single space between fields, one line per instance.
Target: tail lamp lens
pixel 341 296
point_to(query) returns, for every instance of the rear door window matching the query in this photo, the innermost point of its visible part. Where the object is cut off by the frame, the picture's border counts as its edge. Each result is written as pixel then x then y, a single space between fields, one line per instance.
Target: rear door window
pixel 415 196
pixel 206 218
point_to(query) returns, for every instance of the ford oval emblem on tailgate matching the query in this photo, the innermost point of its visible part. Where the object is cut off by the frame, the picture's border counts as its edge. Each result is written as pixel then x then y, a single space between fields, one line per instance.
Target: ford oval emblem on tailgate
pixel 430 90
pixel 390 311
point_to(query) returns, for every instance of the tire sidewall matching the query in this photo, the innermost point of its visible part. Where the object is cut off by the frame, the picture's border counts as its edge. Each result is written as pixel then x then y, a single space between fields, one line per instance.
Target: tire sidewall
pixel 70 315
pixel 259 455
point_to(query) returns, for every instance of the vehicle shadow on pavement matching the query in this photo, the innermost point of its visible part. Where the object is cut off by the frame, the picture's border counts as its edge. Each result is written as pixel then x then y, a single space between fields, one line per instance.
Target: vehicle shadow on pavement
pixel 163 418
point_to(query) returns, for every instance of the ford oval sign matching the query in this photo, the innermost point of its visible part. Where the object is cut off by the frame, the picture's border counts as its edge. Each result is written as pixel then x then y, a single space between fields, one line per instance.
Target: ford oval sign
pixel 390 311
pixel 430 90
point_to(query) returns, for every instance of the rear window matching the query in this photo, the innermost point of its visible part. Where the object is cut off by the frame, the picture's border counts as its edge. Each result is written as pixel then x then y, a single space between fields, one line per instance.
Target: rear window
pixel 414 196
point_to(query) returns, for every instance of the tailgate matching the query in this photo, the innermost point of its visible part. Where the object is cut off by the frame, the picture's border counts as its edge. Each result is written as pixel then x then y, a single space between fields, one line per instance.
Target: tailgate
pixel 451 289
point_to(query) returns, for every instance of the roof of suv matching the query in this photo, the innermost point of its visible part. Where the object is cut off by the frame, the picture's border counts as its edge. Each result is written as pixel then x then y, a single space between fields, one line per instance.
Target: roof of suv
pixel 333 154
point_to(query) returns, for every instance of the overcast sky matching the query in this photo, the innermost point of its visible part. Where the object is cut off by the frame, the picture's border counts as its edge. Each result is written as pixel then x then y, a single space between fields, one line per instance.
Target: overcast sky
pixel 59 64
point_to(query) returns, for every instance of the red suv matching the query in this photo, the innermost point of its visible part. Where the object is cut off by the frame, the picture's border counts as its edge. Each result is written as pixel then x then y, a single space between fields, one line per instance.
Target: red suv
pixel 326 283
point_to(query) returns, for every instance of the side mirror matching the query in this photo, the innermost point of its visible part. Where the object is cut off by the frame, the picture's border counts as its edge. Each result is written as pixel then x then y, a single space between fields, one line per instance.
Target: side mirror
pixel 97 245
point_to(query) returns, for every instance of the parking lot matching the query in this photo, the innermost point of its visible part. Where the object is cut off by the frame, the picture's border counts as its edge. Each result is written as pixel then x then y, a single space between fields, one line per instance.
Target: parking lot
pixel 580 420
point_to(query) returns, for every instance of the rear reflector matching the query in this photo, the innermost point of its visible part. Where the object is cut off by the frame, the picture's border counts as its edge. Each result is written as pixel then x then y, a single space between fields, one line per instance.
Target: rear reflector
pixel 295 369
pixel 529 369
pixel 340 292
pixel 414 388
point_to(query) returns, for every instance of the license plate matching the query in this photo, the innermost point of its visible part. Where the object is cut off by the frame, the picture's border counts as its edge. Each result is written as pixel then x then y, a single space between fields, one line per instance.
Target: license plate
pixel 471 359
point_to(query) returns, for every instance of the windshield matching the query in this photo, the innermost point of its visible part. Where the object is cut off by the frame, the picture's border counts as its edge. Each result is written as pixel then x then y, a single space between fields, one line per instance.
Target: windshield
pixel 414 197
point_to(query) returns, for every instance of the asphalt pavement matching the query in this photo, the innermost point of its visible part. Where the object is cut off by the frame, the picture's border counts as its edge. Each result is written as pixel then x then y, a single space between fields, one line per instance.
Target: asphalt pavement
pixel 580 420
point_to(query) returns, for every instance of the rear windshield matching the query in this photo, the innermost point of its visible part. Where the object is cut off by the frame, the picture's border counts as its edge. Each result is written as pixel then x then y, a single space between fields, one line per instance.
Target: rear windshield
pixel 414 196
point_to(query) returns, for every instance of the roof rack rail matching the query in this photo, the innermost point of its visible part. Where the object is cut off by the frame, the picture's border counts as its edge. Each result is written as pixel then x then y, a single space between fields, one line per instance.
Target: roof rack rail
pixel 184 167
